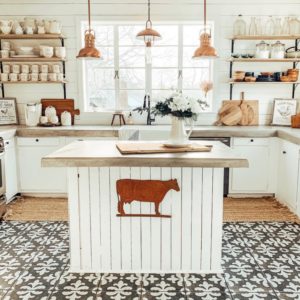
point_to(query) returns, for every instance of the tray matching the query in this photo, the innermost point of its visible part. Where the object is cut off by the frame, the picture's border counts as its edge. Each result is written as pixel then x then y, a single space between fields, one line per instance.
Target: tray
pixel 152 148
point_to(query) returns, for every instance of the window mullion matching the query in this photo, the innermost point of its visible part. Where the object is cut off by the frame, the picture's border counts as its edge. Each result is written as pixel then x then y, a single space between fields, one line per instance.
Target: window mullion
pixel 116 63
pixel 180 57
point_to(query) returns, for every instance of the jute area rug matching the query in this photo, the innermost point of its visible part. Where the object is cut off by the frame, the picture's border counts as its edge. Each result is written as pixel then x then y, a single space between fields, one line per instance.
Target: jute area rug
pixel 235 210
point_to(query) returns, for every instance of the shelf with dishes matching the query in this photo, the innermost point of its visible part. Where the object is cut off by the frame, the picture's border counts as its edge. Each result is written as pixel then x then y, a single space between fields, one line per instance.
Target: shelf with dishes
pixel 44 64
pixel 264 37
pixel 35 36
pixel 250 60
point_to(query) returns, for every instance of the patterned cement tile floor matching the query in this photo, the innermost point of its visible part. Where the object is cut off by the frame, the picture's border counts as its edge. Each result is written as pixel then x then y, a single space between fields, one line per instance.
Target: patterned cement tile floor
pixel 261 260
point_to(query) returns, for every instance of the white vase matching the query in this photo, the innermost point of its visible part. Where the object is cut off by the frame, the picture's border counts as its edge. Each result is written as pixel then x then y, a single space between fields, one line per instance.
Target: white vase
pixel 178 135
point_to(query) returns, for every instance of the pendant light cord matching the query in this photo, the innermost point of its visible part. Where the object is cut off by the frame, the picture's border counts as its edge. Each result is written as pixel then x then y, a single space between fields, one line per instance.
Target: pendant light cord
pixel 148 10
pixel 205 15
pixel 89 14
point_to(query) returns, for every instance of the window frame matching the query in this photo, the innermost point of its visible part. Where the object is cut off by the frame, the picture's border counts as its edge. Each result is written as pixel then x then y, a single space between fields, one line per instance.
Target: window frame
pixel 148 83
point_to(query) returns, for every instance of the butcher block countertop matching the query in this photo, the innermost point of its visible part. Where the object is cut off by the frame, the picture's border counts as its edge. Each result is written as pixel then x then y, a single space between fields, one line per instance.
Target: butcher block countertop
pixel 105 154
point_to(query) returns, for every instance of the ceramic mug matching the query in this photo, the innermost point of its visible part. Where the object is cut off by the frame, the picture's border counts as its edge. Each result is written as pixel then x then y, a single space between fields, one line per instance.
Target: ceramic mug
pixel 41 30
pixel 35 69
pixel 43 76
pixel 60 77
pixel 4 53
pixel 60 52
pixel 29 30
pixel 13 77
pixel 34 77
pixel 24 77
pixel 25 69
pixel 6 69
pixel 4 77
pixel 56 68
pixel 16 69
pixel 52 77
pixel 43 119
pixel 5 29
pixel 5 45
pixel 46 51
pixel 44 68
pixel 12 53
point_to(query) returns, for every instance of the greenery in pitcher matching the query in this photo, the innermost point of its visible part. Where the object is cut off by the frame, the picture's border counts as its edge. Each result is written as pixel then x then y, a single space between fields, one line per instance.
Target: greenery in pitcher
pixel 180 106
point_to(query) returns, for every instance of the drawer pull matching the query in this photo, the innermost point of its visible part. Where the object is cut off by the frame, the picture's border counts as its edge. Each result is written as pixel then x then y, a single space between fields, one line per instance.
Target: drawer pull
pixel 283 152
pixel 251 140
pixel 7 143
pixel 37 140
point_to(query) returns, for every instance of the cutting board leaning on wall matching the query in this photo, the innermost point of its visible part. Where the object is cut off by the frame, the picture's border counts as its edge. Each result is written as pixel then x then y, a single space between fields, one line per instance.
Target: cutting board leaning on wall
pixel 238 112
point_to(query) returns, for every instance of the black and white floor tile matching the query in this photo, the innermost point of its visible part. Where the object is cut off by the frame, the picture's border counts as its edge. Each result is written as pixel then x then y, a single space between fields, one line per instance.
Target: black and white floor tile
pixel 261 260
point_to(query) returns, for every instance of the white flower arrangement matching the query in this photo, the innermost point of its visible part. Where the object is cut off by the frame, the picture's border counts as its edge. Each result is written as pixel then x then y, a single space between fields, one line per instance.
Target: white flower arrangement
pixel 180 106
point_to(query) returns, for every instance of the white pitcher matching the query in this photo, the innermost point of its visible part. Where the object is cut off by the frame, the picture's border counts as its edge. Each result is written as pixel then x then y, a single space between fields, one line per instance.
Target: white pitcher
pixel 178 135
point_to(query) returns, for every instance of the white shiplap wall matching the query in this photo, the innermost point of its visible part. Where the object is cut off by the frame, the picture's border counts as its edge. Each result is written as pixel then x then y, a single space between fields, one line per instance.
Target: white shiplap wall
pixel 223 13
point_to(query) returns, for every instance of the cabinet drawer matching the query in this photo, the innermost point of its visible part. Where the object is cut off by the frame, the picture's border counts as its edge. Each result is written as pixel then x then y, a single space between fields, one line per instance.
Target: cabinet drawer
pixel 250 142
pixel 38 141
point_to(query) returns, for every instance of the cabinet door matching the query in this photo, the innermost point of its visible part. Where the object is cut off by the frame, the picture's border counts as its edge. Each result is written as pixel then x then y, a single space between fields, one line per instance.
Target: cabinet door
pixel 254 179
pixel 288 174
pixel 11 174
pixel 34 178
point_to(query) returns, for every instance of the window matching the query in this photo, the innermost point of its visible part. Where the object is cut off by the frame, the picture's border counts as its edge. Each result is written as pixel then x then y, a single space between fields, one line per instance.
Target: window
pixel 122 78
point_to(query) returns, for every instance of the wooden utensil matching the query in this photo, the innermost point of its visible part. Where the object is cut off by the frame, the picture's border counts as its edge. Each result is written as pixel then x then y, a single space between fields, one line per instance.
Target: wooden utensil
pixel 60 105
pixel 296 121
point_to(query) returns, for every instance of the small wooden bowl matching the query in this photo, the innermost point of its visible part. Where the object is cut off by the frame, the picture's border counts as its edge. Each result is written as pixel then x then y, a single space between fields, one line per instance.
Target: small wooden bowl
pixel 250 79
pixel 285 78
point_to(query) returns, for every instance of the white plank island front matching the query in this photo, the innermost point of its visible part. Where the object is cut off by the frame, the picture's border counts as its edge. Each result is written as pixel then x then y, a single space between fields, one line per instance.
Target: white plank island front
pixel 185 237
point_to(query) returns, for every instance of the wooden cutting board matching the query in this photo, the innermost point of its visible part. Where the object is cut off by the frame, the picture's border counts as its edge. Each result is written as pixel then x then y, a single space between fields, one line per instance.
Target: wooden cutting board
pixel 252 103
pixel 152 148
pixel 60 105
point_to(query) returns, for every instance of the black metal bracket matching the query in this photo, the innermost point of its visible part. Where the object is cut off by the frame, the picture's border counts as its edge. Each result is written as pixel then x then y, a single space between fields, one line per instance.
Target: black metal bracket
pixel 295 85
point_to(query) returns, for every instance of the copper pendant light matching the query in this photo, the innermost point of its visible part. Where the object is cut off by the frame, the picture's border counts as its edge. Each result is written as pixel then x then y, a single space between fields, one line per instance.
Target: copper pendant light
pixel 148 35
pixel 89 51
pixel 205 51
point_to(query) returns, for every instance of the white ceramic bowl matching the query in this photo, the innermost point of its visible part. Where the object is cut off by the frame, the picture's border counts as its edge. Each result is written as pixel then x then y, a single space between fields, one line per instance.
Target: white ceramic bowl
pixel 25 50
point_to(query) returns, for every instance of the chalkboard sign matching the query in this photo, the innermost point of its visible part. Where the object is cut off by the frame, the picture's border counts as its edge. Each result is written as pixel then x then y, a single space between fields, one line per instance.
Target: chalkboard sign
pixel 8 111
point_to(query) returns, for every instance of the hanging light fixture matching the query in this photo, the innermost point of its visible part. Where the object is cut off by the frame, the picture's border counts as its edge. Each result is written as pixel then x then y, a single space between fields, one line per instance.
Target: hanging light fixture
pixel 89 51
pixel 205 51
pixel 148 35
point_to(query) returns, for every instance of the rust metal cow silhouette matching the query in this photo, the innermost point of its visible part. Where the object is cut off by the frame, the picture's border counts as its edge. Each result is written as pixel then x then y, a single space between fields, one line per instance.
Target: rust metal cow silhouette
pixel 152 191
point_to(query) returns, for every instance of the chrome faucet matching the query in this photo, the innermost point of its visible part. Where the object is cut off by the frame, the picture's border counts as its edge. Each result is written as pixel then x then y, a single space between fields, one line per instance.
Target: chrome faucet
pixel 147 107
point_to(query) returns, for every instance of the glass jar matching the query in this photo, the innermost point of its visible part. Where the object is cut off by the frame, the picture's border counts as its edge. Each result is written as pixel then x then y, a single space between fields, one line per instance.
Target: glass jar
pixel 277 28
pixel 270 26
pixel 294 26
pixel 285 29
pixel 262 50
pixel 239 26
pixel 252 27
pixel 278 50
pixel 258 26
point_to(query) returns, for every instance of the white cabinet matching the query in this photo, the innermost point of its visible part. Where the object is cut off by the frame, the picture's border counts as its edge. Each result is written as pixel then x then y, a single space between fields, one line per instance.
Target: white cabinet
pixel 288 173
pixel 34 178
pixel 257 178
pixel 11 173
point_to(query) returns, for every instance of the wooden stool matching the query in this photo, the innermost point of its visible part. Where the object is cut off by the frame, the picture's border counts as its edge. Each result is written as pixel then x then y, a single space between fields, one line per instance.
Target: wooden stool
pixel 121 119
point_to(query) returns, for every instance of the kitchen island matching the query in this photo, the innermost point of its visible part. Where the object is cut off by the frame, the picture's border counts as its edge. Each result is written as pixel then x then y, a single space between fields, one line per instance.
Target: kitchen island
pixel 182 234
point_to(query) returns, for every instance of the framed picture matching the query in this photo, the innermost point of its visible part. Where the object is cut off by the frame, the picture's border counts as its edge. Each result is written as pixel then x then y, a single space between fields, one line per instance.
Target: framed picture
pixel 8 111
pixel 284 109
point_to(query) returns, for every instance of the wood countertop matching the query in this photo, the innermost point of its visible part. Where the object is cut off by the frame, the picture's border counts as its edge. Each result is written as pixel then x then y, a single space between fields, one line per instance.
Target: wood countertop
pixel 105 154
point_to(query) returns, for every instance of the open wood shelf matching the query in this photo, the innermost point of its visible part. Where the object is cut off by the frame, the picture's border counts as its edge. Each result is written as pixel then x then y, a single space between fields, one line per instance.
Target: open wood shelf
pixel 31 59
pixel 265 37
pixel 46 36
pixel 263 82
pixel 263 60
pixel 32 82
